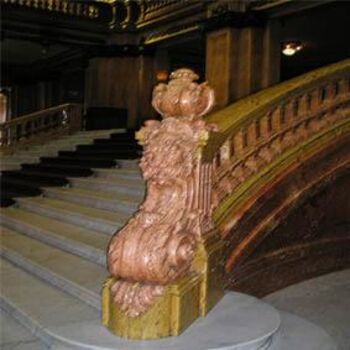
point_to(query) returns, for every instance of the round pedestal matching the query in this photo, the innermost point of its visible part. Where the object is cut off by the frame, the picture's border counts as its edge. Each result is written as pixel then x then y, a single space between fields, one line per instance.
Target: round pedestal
pixel 237 322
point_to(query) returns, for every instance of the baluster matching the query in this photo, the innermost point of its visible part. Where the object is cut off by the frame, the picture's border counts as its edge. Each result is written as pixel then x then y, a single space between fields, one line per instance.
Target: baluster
pixel 315 100
pixel 276 119
pixel 64 6
pixel 59 5
pixel 78 10
pixel 225 151
pixel 289 113
pixel 71 8
pixel 296 107
pixel 252 134
pixel 239 143
pixel 343 86
pixel 265 125
pixel 304 105
pixel 331 92
pixel 84 11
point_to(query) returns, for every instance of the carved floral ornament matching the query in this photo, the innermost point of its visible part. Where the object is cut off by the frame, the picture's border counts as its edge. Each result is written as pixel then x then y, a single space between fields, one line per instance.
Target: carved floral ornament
pixel 157 245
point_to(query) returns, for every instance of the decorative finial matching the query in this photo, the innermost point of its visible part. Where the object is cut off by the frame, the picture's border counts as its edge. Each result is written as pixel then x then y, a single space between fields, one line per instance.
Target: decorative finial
pixel 183 97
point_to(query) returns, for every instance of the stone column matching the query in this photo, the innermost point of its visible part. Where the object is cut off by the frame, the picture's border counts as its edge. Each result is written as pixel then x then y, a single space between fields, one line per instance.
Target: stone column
pixel 240 61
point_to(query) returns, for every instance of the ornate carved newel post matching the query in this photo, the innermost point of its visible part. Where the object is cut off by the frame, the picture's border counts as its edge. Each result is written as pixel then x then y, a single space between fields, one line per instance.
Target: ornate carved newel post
pixel 165 262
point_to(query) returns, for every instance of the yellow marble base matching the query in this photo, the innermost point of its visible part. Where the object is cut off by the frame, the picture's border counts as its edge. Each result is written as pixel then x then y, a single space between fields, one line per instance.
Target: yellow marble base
pixel 182 303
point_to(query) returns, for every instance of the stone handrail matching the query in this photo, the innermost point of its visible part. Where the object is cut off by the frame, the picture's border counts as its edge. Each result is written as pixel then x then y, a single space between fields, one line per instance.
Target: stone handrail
pixel 255 131
pixel 65 118
pixel 66 7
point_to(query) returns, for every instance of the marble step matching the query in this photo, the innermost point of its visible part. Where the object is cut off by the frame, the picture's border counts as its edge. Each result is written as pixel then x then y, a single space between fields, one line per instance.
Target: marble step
pixel 122 203
pixel 123 186
pixel 91 162
pixel 59 169
pixel 42 308
pixel 97 133
pixel 14 336
pixel 119 173
pixel 88 244
pixel 128 163
pixel 10 165
pixel 51 150
pixel 35 178
pixel 45 152
pixel 90 218
pixel 21 158
pixel 54 266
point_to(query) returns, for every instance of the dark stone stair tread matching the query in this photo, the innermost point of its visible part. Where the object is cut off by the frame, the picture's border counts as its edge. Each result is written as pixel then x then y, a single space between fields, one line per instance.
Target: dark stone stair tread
pixel 95 153
pixel 39 177
pixel 57 166
pixel 44 174
pixel 86 162
pixel 25 183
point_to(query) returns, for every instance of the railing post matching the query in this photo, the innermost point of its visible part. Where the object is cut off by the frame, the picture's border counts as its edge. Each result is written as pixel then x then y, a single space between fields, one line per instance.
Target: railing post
pixel 165 263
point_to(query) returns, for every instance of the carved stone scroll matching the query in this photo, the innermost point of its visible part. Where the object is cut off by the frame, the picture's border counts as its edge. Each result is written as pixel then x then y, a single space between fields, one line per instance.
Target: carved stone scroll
pixel 158 244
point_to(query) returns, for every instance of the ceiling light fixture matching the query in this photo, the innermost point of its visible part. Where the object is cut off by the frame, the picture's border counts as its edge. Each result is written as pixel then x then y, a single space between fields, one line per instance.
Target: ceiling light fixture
pixel 290 48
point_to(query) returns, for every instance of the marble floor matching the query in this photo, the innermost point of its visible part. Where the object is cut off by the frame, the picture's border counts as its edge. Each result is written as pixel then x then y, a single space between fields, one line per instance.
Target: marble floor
pixel 325 301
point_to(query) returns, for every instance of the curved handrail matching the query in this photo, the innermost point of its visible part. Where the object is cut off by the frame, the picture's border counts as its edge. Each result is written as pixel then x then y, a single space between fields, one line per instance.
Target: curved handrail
pixel 238 115
pixel 255 132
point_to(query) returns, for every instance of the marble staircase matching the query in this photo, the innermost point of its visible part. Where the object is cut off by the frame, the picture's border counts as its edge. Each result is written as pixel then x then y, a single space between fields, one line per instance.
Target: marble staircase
pixel 32 154
pixel 53 249
pixel 58 162
pixel 53 265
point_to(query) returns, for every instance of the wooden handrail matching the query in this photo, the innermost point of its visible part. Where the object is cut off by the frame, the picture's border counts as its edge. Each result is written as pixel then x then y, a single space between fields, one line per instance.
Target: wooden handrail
pixel 65 118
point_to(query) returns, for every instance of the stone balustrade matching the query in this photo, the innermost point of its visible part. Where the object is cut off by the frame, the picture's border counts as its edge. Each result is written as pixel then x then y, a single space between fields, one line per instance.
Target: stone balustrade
pixel 62 119
pixel 71 8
